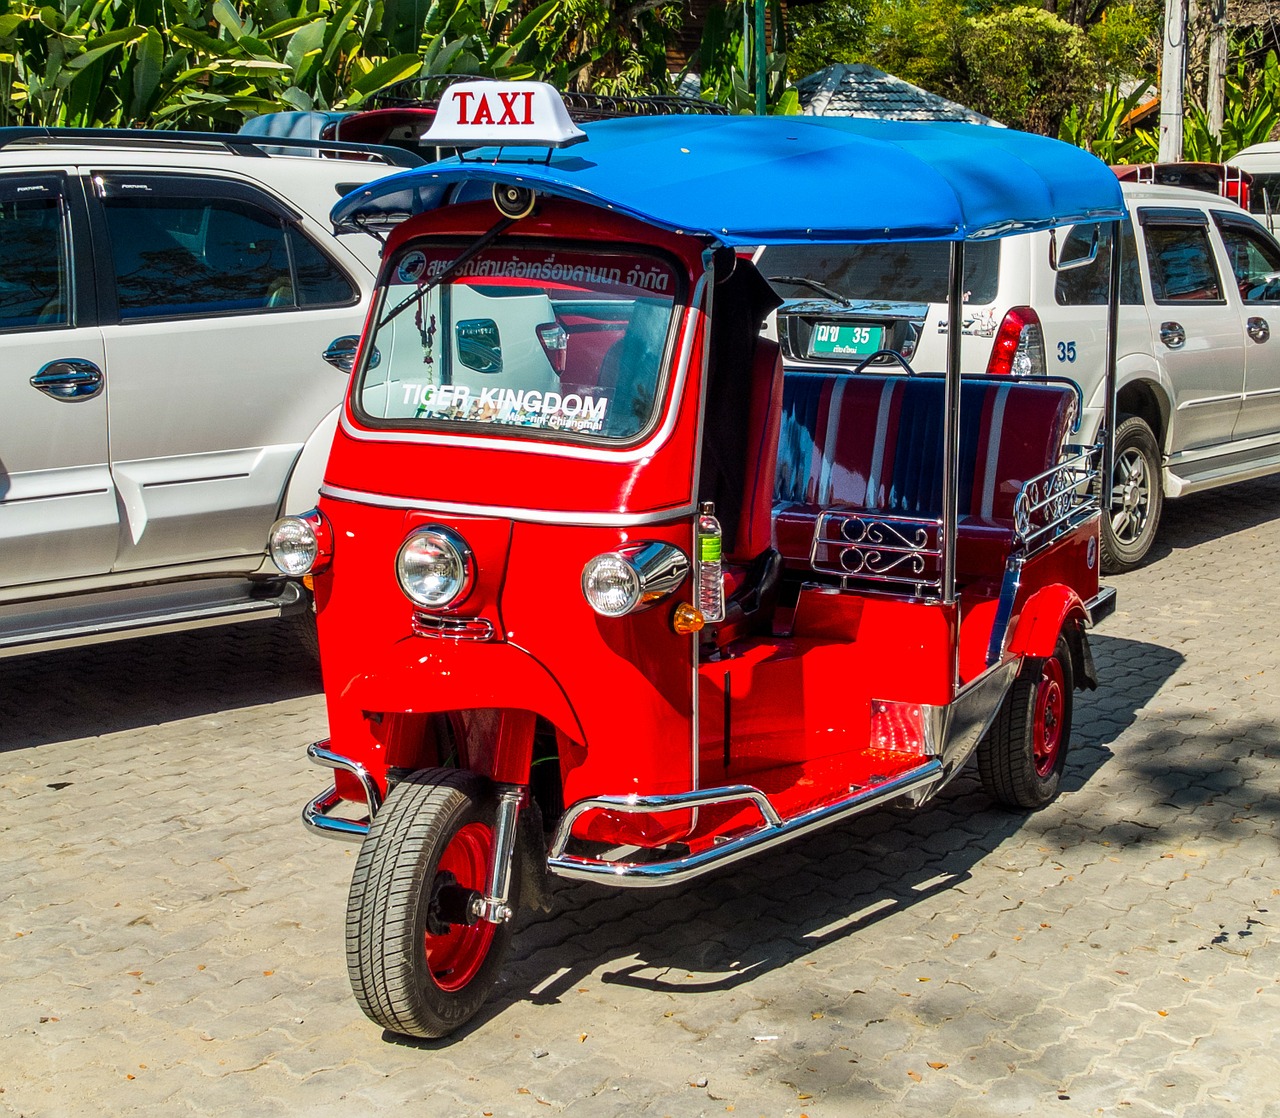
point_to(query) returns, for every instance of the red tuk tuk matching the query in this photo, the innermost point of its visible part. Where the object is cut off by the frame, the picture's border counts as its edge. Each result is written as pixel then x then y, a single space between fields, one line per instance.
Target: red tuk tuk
pixel 602 591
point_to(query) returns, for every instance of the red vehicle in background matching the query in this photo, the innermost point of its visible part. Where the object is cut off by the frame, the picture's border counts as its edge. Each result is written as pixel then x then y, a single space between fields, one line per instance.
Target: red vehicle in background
pixel 602 593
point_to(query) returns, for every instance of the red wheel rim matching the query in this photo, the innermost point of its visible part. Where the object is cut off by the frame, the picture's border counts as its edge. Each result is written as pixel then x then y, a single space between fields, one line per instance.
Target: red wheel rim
pixel 1051 702
pixel 454 957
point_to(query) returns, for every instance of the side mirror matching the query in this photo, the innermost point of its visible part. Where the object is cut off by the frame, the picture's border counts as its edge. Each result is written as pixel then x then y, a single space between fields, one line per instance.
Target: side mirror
pixel 341 353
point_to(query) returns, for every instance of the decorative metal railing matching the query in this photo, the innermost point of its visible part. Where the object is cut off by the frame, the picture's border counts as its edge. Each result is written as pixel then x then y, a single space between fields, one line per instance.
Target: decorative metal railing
pixel 904 554
pixel 1050 503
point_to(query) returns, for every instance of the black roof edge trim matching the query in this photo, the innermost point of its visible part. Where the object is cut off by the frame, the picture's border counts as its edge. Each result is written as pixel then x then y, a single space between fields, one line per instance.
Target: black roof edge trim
pixel 234 142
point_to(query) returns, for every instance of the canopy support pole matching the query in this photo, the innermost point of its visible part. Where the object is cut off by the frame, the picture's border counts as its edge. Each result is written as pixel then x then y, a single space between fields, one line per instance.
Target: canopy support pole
pixel 951 422
pixel 1109 403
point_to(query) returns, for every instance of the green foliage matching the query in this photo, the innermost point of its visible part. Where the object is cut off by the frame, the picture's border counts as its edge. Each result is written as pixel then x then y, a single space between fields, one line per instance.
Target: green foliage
pixel 1251 109
pixel 919 41
pixel 821 34
pixel 212 63
pixel 1100 128
pixel 1027 68
pixel 726 63
pixel 1251 113
pixel 1125 42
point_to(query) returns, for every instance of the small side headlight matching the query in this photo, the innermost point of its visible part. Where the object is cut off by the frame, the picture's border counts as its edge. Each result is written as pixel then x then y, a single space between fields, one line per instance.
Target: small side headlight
pixel 434 568
pixel 611 585
pixel 632 578
pixel 301 545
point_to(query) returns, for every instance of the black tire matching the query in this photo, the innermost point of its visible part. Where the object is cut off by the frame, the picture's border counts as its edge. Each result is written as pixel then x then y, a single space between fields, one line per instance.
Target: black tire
pixel 413 973
pixel 1022 755
pixel 1137 495
pixel 303 628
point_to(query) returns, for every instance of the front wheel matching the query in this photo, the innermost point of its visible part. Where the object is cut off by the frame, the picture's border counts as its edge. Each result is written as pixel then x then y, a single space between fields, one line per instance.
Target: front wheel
pixel 1022 755
pixel 1136 497
pixel 420 965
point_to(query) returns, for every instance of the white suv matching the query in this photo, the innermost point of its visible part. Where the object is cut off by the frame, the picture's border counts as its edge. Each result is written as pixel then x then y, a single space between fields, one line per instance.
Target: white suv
pixel 1199 372
pixel 165 305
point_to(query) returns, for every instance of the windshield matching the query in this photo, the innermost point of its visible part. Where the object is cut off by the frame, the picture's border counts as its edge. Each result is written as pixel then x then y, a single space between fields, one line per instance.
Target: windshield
pixel 567 343
pixel 902 271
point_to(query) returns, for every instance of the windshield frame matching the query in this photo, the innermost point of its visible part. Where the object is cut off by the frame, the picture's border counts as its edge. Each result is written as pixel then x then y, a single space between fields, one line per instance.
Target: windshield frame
pixel 402 427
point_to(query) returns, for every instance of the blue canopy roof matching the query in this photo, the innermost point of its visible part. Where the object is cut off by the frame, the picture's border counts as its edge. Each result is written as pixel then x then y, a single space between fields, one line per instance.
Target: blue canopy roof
pixel 785 180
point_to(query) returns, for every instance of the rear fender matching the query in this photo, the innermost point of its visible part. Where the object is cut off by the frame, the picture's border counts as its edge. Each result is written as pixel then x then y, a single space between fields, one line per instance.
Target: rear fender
pixel 1047 613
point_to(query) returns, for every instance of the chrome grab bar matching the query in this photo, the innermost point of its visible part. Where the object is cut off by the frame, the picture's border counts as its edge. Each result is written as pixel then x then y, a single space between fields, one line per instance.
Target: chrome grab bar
pixel 315 813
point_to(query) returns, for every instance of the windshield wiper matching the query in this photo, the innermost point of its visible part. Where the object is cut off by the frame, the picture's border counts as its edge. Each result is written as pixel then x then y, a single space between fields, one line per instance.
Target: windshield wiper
pixel 468 253
pixel 814 285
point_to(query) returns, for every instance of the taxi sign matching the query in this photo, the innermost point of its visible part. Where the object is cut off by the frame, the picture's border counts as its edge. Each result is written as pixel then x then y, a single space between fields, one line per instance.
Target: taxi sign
pixel 475 114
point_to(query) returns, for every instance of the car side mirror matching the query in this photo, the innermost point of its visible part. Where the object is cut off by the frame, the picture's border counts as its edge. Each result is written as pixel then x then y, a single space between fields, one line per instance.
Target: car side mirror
pixel 341 353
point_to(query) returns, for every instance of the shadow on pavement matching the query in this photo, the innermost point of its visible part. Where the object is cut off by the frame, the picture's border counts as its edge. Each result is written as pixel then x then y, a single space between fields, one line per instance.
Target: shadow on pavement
pixel 1215 514
pixel 106 688
pixel 759 915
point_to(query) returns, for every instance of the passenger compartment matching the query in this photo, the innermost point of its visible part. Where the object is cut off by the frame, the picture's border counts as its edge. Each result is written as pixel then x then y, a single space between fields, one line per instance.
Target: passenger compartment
pixel 859 480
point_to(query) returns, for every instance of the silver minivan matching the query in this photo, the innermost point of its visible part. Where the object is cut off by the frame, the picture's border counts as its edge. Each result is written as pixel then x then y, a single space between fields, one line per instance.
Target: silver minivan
pixel 165 307
pixel 1199 371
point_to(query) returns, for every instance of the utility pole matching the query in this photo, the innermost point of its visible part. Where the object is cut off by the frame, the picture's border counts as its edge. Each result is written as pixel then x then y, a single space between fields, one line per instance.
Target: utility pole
pixel 1173 67
pixel 1216 92
pixel 761 72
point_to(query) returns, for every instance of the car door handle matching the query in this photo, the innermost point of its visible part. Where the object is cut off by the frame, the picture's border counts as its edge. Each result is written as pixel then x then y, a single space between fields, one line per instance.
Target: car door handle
pixel 69 378
pixel 1258 329
pixel 341 353
pixel 1172 334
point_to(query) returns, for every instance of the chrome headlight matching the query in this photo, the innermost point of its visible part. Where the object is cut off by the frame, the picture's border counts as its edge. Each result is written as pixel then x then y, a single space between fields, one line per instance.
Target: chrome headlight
pixel 434 568
pixel 301 545
pixel 633 577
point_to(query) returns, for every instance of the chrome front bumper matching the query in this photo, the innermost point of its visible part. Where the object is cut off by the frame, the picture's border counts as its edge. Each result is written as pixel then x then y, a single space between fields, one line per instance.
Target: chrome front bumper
pixel 772 829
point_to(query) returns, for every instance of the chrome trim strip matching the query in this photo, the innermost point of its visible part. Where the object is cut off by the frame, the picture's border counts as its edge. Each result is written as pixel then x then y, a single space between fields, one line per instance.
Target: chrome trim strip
pixel 315 813
pixel 1262 392
pixel 772 830
pixel 509 512
pixel 103 629
pixel 1101 606
pixel 562 450
pixel 1204 400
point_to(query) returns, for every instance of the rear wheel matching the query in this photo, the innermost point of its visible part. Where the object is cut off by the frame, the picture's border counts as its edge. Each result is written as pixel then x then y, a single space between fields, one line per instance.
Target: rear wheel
pixel 1022 755
pixel 419 963
pixel 1136 497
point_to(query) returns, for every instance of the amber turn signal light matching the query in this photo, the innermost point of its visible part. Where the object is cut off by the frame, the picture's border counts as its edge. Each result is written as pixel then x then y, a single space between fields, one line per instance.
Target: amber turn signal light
pixel 687 619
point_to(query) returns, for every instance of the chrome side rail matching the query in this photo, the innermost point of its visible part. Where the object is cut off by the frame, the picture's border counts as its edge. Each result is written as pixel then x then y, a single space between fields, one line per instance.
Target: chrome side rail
pixel 315 815
pixel 772 830
pixel 1055 501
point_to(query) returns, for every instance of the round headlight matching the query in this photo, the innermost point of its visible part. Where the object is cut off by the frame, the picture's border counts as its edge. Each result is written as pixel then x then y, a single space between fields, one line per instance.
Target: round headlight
pixel 611 585
pixel 294 545
pixel 434 568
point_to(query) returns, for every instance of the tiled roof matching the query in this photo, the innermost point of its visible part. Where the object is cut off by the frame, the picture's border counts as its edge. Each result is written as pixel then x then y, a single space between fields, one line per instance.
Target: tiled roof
pixel 855 89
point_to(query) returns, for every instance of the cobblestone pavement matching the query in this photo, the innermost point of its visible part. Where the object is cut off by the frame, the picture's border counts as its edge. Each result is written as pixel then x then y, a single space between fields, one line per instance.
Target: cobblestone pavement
pixel 171 939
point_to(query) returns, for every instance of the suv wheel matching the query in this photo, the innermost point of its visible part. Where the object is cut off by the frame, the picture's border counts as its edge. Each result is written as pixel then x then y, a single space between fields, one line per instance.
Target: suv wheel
pixel 1136 497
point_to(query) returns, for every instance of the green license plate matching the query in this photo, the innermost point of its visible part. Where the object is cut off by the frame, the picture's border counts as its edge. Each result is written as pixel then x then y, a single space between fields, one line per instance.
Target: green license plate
pixel 830 339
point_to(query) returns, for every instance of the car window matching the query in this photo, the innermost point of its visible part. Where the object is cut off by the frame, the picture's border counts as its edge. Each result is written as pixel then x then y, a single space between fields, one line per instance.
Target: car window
pixel 1255 262
pixel 1086 285
pixel 1181 263
pixel 1264 193
pixel 183 256
pixel 34 282
pixel 906 271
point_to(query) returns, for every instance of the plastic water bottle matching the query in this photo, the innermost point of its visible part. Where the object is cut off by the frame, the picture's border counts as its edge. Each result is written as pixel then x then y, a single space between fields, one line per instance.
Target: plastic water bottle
pixel 710 584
